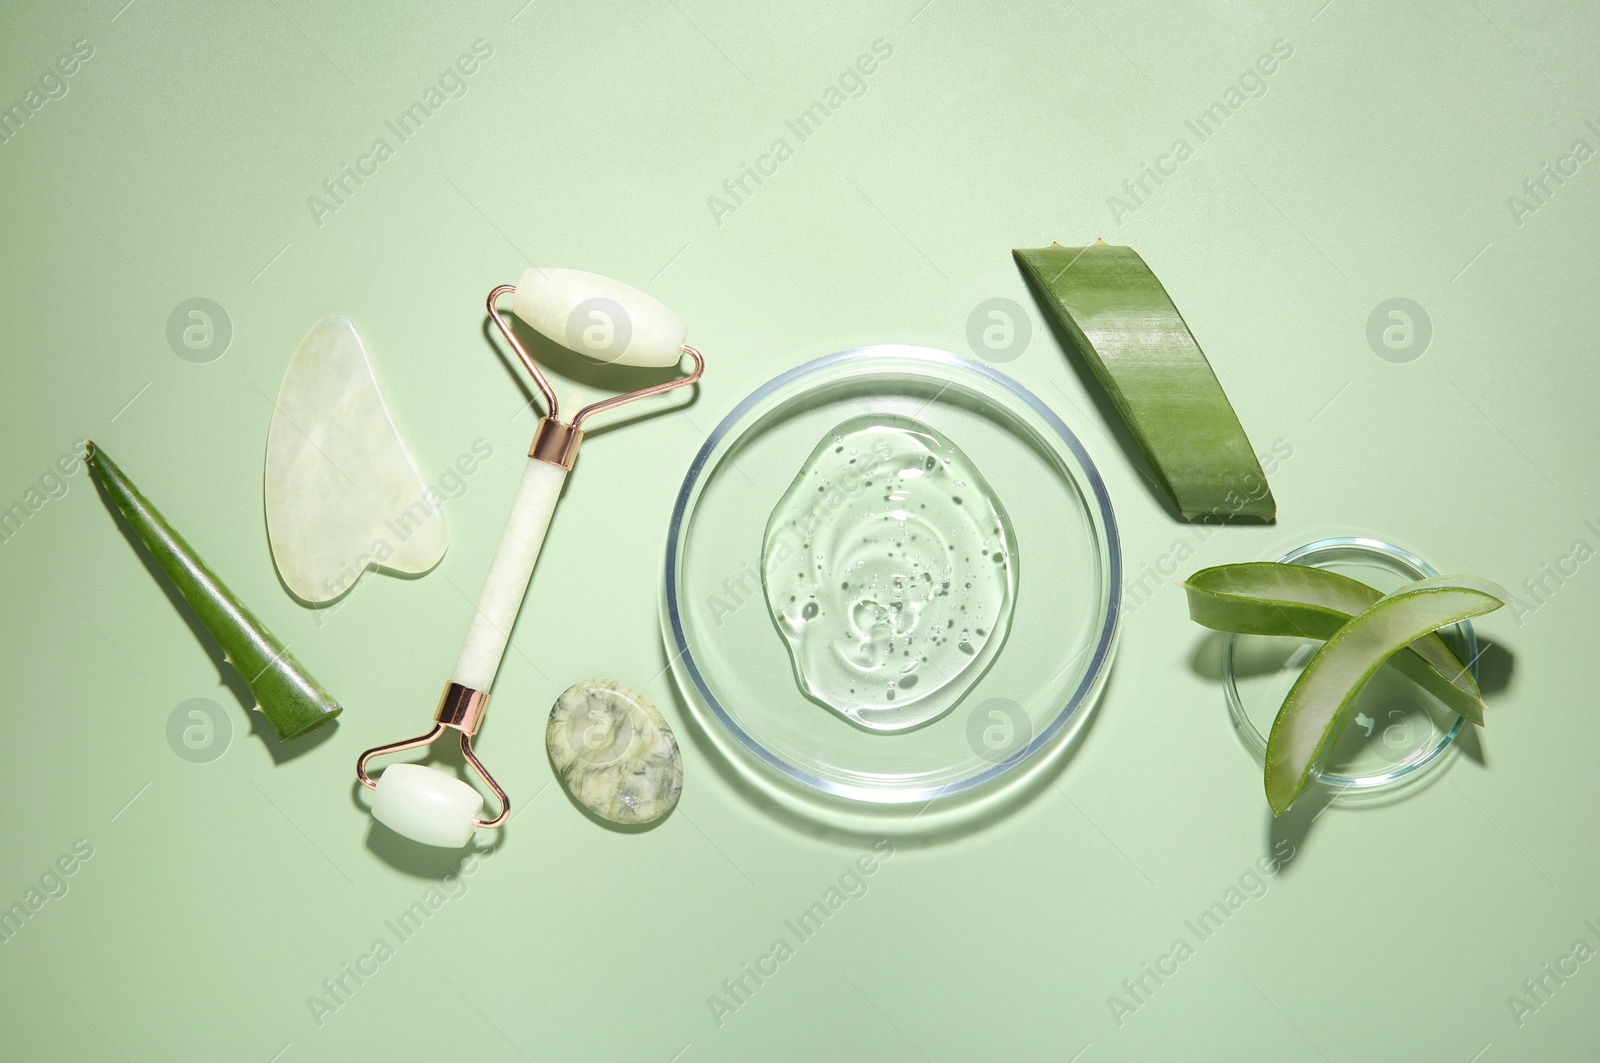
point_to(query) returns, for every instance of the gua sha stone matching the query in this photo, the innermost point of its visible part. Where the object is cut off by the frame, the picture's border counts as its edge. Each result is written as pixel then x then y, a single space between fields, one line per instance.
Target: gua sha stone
pixel 615 752
pixel 342 491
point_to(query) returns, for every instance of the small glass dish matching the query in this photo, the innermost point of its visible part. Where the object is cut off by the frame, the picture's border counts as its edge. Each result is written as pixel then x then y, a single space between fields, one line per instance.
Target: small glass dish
pixel 733 665
pixel 1399 732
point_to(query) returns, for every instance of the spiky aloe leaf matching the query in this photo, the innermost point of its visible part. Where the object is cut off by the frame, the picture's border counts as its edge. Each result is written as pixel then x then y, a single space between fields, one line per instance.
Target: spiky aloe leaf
pixel 290 699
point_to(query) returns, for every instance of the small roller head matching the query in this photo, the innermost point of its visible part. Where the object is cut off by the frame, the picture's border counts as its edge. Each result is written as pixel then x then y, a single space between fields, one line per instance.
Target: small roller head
pixel 598 317
pixel 426 805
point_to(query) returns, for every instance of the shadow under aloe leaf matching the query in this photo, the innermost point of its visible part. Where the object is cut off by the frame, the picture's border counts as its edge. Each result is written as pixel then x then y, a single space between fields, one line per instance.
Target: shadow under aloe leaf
pixel 1496 666
pixel 1205 660
pixel 285 750
pixel 1254 655
pixel 228 676
pixel 1470 742
pixel 1294 826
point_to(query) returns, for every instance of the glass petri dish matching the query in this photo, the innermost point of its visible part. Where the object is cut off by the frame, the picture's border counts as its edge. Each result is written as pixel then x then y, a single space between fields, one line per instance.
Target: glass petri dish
pixel 1400 732
pixel 732 663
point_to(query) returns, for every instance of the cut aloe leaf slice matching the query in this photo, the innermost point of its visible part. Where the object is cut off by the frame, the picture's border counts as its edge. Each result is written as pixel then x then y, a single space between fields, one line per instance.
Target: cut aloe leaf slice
pixel 1126 327
pixel 1272 598
pixel 291 700
pixel 1320 702
pixel 342 491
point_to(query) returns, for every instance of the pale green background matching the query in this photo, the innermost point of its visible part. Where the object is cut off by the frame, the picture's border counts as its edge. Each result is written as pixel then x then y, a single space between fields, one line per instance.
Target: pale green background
pixel 1378 164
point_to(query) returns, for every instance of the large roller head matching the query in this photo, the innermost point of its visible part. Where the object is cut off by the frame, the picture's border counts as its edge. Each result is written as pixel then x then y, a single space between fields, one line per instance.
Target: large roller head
pixel 599 317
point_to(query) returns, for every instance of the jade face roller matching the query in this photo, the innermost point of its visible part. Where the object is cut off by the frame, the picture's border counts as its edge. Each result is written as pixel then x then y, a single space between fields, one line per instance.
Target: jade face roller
pixel 607 321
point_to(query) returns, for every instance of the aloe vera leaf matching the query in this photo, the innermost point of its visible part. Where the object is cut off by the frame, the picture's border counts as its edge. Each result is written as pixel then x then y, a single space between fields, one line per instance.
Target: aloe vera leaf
pixel 1320 702
pixel 1272 598
pixel 1126 327
pixel 291 700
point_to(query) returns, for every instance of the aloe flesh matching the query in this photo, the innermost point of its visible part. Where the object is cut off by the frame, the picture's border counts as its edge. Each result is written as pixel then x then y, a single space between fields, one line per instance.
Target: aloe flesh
pixel 291 700
pixel 1320 703
pixel 1273 598
pixel 1127 329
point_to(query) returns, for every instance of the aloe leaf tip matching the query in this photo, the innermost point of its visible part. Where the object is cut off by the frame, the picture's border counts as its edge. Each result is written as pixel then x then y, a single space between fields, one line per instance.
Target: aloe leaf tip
pixel 292 701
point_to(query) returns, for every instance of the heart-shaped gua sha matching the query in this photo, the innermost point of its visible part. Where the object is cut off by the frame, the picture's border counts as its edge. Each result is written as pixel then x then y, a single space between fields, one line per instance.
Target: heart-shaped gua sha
pixel 342 491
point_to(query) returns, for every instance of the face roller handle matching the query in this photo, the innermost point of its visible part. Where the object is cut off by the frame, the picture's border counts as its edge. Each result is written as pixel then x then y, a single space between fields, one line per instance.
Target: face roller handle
pixel 603 319
pixel 608 321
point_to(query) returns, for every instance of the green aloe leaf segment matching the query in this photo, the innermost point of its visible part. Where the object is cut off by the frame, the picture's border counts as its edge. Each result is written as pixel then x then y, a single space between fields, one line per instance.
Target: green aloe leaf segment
pixel 1126 327
pixel 1320 702
pixel 290 699
pixel 1269 598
